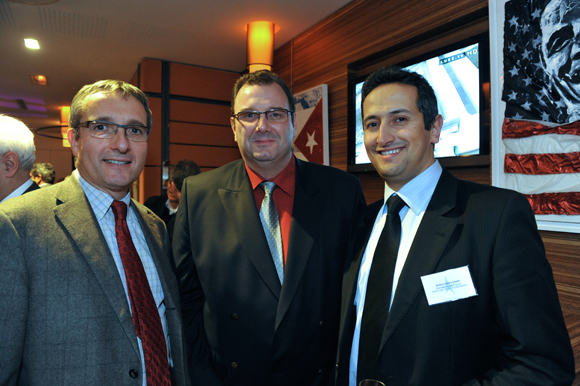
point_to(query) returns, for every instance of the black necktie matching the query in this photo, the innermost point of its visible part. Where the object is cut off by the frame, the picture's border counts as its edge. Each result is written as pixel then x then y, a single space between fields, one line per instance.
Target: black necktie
pixel 378 295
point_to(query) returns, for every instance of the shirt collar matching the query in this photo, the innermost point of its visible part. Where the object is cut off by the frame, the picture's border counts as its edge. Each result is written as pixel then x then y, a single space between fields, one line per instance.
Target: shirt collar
pixel 285 180
pixel 99 200
pixel 19 191
pixel 418 192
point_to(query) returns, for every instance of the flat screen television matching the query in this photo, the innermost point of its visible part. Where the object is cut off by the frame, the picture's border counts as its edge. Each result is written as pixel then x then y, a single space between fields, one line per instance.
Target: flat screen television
pixel 459 75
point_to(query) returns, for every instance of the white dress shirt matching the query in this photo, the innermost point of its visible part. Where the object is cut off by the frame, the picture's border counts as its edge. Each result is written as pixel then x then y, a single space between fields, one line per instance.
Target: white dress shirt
pixel 101 205
pixel 416 193
pixel 19 191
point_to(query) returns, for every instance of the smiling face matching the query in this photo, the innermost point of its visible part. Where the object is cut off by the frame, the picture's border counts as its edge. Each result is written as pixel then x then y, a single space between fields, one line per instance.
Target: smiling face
pixel 266 147
pixel 110 165
pixel 397 143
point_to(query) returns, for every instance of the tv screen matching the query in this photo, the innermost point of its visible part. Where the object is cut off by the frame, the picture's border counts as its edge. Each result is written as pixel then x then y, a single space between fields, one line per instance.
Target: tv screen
pixel 454 73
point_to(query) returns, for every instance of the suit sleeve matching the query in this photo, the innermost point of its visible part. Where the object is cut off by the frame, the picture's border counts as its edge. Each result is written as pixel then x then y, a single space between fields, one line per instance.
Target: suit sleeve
pixel 535 346
pixel 13 302
pixel 192 298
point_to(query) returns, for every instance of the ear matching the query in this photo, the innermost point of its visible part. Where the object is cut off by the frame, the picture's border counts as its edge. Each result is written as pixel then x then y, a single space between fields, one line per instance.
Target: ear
pixel 294 121
pixel 436 129
pixel 11 164
pixel 233 124
pixel 74 145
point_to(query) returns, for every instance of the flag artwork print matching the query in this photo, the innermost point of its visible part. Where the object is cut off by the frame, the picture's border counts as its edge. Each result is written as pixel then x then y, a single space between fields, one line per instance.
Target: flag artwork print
pixel 311 143
pixel 541 128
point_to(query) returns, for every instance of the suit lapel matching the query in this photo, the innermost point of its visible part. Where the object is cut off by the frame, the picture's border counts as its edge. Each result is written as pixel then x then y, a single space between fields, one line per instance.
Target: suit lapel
pixel 238 201
pixel 428 245
pixel 307 214
pixel 77 217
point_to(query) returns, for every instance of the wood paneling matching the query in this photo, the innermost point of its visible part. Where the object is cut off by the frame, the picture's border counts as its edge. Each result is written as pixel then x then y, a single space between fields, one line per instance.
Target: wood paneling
pixel 191 133
pixel 194 112
pixel 204 156
pixel 400 29
pixel 201 82
pixel 154 146
pixel 151 77
pixel 151 181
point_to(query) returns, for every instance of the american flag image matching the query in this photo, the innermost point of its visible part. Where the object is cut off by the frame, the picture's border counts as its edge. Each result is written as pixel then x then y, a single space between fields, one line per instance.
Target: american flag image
pixel 541 132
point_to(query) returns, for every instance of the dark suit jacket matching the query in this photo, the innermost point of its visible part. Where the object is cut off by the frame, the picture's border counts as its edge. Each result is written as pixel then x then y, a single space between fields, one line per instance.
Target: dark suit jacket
pixel 32 188
pixel 64 316
pixel 242 326
pixel 511 333
pixel 157 205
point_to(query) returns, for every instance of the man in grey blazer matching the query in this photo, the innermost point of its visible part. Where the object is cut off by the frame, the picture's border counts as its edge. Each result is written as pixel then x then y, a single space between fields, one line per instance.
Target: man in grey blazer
pixel 463 294
pixel 87 295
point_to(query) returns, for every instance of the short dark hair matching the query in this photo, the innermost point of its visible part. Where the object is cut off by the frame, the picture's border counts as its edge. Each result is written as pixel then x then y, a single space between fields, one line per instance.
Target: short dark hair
pixel 108 86
pixel 45 170
pixel 426 99
pixel 265 78
pixel 181 170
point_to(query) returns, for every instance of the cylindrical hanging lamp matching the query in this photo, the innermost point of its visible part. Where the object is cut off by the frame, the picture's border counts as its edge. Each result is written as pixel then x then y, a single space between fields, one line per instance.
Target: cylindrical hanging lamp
pixel 260 45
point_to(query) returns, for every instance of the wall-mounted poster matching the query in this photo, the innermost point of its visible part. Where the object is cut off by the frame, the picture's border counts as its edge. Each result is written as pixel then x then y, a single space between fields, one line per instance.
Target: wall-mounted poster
pixel 311 143
pixel 535 80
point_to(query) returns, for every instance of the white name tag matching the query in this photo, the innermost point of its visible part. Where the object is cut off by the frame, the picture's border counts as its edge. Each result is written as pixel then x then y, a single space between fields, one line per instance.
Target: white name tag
pixel 448 286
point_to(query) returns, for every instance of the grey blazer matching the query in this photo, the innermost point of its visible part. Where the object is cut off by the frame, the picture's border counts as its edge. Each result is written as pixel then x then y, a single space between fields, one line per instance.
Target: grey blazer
pixel 64 316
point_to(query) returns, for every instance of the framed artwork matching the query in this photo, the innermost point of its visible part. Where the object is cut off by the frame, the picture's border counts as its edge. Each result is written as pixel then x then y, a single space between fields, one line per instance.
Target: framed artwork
pixel 535 89
pixel 311 143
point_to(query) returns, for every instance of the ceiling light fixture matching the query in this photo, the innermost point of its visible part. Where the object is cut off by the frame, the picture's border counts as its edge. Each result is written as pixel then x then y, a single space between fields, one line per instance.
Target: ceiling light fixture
pixel 32 44
pixel 260 45
pixel 38 80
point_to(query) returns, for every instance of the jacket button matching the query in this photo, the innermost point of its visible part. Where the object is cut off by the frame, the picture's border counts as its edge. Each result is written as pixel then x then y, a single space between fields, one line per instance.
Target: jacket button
pixel 234 316
pixel 321 323
pixel 233 365
pixel 133 373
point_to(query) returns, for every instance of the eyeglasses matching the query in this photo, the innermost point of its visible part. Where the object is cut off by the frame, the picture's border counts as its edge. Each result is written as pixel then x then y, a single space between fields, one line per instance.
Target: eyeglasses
pixel 273 116
pixel 106 130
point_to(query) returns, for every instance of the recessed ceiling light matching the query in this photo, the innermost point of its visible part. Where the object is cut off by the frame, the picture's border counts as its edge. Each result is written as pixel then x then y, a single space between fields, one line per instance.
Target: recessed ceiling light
pixel 38 79
pixel 31 43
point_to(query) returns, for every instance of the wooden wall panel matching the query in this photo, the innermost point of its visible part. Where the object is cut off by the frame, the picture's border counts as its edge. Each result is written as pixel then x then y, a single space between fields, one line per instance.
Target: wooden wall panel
pixel 151 78
pixel 154 146
pixel 201 82
pixel 204 156
pixel 191 133
pixel 194 112
pixel 151 181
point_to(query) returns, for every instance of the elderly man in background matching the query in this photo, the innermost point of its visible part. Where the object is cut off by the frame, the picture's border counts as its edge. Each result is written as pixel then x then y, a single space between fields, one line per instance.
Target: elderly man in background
pixel 17 152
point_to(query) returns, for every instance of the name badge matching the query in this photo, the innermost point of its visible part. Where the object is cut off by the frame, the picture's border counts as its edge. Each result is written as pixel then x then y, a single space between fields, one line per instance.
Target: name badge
pixel 448 286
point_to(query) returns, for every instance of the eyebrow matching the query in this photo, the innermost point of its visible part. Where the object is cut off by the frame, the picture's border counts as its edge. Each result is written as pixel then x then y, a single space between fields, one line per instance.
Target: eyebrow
pixel 391 112
pixel 131 122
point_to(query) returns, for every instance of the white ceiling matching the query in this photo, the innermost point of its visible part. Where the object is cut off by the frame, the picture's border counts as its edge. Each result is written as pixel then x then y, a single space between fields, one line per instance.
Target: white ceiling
pixel 82 41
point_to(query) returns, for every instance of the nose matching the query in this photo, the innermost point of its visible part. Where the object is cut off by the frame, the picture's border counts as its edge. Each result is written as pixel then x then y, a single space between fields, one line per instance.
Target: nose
pixel 119 141
pixel 263 124
pixel 385 136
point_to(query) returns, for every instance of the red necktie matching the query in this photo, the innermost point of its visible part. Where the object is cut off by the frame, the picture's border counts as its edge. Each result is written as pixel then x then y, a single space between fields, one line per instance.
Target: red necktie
pixel 145 314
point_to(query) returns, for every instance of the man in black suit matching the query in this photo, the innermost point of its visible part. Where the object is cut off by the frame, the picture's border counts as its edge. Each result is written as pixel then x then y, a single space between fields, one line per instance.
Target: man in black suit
pixel 166 205
pixel 259 246
pixel 43 174
pixel 471 294
pixel 17 157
